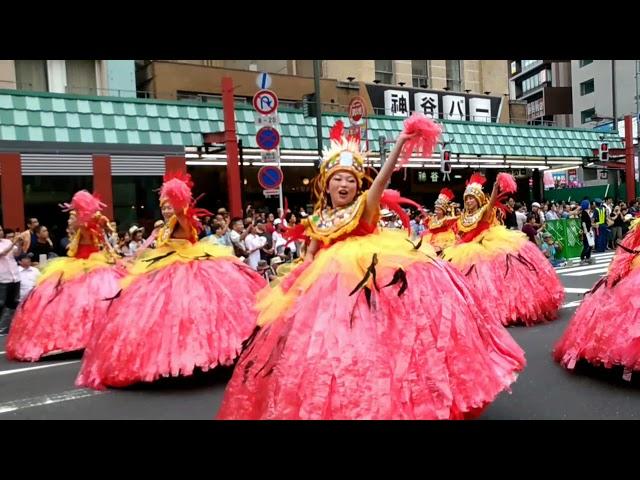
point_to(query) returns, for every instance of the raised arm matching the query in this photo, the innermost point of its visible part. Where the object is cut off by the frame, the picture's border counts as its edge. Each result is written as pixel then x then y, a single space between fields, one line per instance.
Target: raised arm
pixel 382 179
pixel 492 200
pixel 184 222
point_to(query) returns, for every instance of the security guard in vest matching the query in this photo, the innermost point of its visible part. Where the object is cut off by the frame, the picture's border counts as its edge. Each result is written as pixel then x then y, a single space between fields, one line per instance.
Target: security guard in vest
pixel 600 222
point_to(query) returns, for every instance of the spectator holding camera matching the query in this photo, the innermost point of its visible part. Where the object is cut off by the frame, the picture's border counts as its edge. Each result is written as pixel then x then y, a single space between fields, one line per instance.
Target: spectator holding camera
pixel 551 248
pixel 10 248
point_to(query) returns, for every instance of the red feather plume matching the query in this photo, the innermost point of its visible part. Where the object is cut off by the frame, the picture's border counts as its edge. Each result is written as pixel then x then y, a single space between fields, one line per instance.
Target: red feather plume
pixel 447 193
pixel 477 178
pixel 337 131
pixel 393 201
pixel 85 205
pixel 177 190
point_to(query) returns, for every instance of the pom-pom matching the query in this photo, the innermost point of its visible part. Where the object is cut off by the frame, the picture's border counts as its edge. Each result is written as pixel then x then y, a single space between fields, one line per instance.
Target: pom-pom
pixel 506 183
pixel 426 134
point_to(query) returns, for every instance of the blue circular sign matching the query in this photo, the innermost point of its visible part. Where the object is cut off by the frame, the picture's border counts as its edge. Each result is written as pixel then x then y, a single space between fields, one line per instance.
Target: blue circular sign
pixel 270 178
pixel 268 138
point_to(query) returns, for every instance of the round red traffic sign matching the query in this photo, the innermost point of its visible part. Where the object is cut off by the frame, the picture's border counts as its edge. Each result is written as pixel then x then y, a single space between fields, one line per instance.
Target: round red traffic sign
pixel 357 109
pixel 265 102
pixel 268 138
pixel 270 177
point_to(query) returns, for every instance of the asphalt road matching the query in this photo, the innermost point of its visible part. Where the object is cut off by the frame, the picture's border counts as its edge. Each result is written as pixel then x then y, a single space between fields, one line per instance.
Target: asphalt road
pixel 45 390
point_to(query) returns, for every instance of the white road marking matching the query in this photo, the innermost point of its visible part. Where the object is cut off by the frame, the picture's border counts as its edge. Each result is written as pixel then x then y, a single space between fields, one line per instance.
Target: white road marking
pixel 571 304
pixel 563 270
pixel 587 272
pixel 576 290
pixel 21 370
pixel 32 402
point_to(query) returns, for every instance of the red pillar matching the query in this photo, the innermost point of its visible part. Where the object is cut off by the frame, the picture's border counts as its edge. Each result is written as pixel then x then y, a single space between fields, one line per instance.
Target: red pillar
pixel 231 142
pixel 12 192
pixel 630 167
pixel 175 163
pixel 102 182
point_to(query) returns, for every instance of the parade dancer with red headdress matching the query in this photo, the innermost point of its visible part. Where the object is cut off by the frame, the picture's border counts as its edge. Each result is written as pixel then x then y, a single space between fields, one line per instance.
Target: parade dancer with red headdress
pixel 605 330
pixel 59 313
pixel 508 271
pixel 369 326
pixel 184 305
pixel 439 227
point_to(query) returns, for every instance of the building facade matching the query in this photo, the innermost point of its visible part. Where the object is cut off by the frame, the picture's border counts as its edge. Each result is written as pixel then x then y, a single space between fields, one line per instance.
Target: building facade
pixel 53 144
pixel 341 80
pixel 593 92
pixel 83 77
pixel 545 86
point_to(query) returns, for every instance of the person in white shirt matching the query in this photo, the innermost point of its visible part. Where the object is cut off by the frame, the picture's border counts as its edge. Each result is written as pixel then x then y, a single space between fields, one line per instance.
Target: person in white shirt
pixel 535 209
pixel 136 239
pixel 254 242
pixel 521 216
pixel 28 275
pixel 113 237
pixel 551 213
pixel 277 238
pixel 9 278
pixel 237 236
pixel 608 205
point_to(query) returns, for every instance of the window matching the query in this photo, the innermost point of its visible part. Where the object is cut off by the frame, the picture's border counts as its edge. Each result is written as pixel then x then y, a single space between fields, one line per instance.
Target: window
pixel 528 63
pixel 81 77
pixel 43 194
pixel 384 71
pixel 454 75
pixel 587 87
pixel 514 68
pixel 420 73
pixel 135 200
pixel 536 80
pixel 535 109
pixel 31 75
pixel 585 115
pixel 584 63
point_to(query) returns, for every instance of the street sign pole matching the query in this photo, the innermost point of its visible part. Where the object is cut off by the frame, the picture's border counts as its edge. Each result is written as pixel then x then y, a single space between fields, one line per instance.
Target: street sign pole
pixel 282 212
pixel 265 102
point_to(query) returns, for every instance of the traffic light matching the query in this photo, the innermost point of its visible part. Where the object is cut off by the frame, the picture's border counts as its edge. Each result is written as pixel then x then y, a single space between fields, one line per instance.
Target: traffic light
pixel 445 161
pixel 604 151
